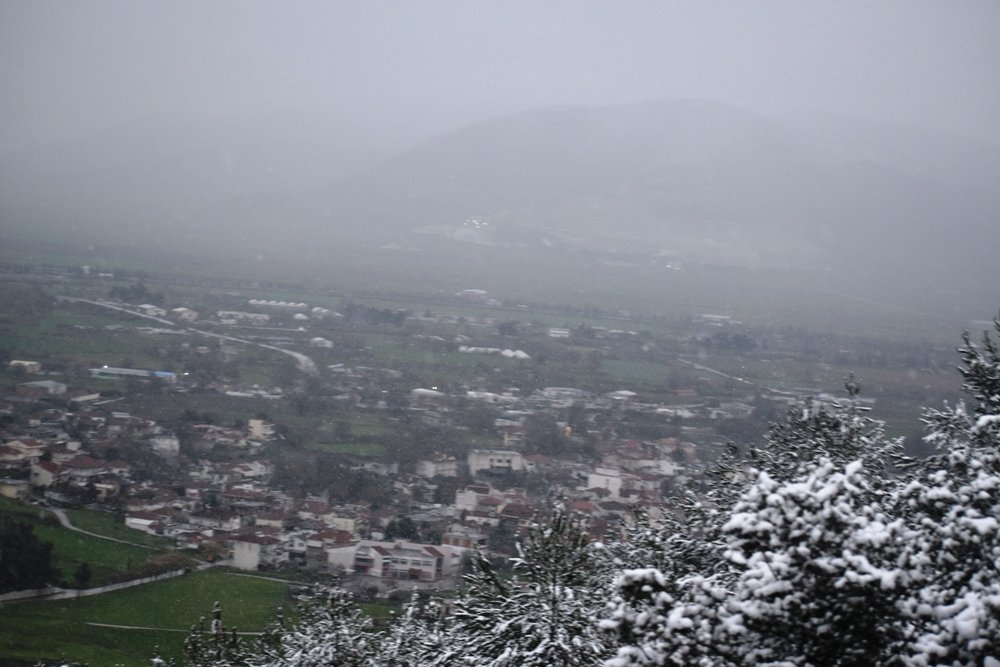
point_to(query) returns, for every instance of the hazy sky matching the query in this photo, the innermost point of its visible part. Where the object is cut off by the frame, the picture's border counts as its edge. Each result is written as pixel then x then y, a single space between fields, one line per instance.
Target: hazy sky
pixel 69 67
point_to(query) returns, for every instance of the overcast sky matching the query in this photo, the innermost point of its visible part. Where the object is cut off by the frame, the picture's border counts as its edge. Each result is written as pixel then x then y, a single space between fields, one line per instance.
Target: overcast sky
pixel 417 67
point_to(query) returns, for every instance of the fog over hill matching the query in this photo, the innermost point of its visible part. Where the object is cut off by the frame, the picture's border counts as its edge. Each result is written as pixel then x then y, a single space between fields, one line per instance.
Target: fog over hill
pixel 673 182
pixel 687 179
pixel 164 170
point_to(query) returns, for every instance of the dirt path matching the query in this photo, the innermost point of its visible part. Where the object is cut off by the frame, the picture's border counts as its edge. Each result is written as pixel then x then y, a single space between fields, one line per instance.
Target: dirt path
pixel 66 523
pixel 140 627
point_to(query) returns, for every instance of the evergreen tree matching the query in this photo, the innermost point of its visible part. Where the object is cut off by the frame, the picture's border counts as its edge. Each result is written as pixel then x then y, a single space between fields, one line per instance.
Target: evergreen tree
pixel 819 573
pixel 25 560
pixel 330 630
pixel 417 637
pixel 953 507
pixel 841 435
pixel 546 615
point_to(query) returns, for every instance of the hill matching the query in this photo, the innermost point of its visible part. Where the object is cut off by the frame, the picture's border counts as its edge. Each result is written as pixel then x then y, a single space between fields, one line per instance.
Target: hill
pixel 867 210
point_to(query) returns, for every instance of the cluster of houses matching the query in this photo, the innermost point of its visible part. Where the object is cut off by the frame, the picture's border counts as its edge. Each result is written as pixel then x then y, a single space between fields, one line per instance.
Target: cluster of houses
pixel 228 506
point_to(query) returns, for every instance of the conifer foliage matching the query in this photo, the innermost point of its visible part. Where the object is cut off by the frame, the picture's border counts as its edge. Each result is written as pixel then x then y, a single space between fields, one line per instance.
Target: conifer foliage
pixel 546 614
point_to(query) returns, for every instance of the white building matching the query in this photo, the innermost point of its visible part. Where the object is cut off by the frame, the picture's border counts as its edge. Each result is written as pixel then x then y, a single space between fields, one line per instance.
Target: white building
pixel 495 460
pixel 28 366
pixel 252 551
pixel 443 466
pixel 184 314
pixel 397 560
pixel 151 310
pixel 258 429
pixel 240 317
pixel 606 478
pixel 166 445
pixel 112 373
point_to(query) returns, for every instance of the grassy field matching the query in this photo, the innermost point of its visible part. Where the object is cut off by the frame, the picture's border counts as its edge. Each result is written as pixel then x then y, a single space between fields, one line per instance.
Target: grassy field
pixel 356 448
pixel 70 548
pixel 110 525
pixel 641 374
pixel 31 631
pixel 73 334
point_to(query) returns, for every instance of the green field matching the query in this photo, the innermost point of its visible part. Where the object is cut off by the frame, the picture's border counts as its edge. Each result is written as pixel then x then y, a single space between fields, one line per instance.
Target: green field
pixel 641 374
pixel 356 448
pixel 75 333
pixel 109 525
pixel 31 631
pixel 69 548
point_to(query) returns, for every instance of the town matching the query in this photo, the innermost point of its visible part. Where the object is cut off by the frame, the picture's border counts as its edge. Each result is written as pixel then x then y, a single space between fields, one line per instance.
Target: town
pixel 377 444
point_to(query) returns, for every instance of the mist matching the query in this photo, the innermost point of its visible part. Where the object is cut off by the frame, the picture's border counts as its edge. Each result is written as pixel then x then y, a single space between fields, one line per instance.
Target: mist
pixel 771 136
pixel 563 320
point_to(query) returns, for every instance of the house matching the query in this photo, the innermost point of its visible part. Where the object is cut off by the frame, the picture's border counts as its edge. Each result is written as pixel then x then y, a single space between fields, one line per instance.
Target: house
pixel 238 317
pixel 184 314
pixel 18 454
pixel 40 389
pixel 439 466
pixel 151 310
pixel 83 469
pixel 26 366
pixel 112 373
pixel 314 510
pixel 46 473
pixel 252 551
pixel 258 429
pixel 465 537
pixel 147 522
pixel 274 519
pixel 166 445
pixel 396 560
pixel 467 499
pixel 606 478
pixel 495 460
pixel 152 500
pixel 14 488
pixel 216 519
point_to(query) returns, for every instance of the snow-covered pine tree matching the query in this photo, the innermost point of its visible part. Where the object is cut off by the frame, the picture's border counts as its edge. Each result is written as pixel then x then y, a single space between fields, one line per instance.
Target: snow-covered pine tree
pixel 546 615
pixel 820 577
pixel 953 508
pixel 416 637
pixel 672 576
pixel 840 434
pixel 330 630
pixel 696 600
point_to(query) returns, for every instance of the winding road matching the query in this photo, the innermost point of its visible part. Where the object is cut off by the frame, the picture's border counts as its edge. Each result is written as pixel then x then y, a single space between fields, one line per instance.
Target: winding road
pixel 304 363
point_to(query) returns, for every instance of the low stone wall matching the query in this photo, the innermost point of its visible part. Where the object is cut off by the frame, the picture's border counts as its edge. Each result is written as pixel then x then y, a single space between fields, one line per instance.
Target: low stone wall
pixel 53 593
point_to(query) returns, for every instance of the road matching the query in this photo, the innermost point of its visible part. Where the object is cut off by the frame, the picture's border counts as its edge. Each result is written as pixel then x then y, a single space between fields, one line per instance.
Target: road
pixel 304 363
pixel 706 369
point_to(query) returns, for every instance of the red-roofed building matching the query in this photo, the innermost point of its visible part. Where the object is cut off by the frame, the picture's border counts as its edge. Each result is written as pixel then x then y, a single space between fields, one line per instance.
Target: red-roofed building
pixel 19 454
pixel 147 522
pixel 582 506
pixel 84 469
